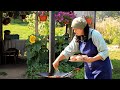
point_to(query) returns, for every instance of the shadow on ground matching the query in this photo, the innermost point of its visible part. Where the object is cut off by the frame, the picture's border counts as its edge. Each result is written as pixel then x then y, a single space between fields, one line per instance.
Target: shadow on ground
pixel 13 71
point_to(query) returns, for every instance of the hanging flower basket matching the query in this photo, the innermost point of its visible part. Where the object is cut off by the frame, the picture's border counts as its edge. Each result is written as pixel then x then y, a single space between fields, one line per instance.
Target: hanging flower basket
pixel 23 16
pixel 64 18
pixel 43 15
pixel 6 21
pixel 43 18
pixel 10 14
pixel 66 22
pixel 88 20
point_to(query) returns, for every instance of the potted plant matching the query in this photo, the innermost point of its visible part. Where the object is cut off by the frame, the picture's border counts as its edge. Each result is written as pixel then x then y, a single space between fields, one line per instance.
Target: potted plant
pixel 6 20
pixel 10 14
pixel 64 17
pixel 88 19
pixel 43 15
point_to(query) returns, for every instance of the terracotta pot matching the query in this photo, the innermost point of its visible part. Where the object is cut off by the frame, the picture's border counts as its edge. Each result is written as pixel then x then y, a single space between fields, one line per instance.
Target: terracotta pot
pixel 66 22
pixel 43 18
pixel 6 21
pixel 89 20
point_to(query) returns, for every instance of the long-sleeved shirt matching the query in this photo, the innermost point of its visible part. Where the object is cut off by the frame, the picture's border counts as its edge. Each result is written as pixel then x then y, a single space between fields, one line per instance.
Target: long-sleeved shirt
pixel 98 41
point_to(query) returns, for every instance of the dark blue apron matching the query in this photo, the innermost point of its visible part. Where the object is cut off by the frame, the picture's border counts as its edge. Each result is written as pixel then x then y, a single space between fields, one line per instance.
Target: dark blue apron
pixel 96 70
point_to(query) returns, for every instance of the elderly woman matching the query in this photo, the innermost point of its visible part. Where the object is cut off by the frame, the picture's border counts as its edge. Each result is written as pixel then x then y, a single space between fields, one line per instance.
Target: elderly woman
pixel 90 43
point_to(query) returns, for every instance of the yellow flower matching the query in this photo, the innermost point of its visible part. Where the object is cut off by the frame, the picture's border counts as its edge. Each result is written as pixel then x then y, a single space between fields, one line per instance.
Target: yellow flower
pixel 32 39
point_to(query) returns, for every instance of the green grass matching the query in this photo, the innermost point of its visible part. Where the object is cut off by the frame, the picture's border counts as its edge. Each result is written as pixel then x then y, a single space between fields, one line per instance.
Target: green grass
pixel 115 54
pixel 115 58
pixel 22 30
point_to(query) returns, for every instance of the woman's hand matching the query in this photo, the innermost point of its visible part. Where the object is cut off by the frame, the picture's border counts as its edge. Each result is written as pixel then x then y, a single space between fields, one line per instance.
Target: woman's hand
pixel 56 64
pixel 73 57
pixel 87 59
pixel 76 58
pixel 57 61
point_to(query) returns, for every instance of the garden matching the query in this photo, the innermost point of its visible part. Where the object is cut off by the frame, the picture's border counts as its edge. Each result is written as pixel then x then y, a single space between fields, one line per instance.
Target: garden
pixel 38 45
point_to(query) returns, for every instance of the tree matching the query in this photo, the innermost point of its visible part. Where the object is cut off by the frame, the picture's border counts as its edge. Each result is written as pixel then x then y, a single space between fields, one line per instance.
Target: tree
pixel 102 14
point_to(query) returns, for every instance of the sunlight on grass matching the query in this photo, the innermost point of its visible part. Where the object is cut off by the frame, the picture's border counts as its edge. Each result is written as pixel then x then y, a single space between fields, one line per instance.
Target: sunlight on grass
pixel 115 55
pixel 115 58
pixel 23 31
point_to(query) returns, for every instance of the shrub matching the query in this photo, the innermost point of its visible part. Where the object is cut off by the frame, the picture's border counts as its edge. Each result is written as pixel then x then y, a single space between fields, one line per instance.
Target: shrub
pixel 37 54
pixel 110 29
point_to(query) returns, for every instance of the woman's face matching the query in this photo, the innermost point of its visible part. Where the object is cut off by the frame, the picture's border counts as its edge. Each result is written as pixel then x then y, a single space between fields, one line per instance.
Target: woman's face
pixel 78 32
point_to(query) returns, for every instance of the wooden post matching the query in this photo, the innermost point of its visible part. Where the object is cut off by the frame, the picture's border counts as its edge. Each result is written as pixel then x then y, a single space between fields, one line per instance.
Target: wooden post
pixel 71 33
pixel 95 20
pixel 36 23
pixel 1 37
pixel 51 42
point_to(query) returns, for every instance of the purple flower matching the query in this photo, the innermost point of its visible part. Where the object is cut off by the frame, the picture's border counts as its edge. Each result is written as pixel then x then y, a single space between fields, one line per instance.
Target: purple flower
pixel 64 17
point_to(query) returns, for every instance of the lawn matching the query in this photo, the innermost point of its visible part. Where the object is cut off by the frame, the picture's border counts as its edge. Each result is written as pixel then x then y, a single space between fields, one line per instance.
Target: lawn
pixel 24 32
pixel 115 58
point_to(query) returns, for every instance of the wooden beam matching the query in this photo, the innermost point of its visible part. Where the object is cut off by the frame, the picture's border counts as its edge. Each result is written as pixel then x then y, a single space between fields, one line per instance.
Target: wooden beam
pixel 94 19
pixel 36 23
pixel 51 41
pixel 1 37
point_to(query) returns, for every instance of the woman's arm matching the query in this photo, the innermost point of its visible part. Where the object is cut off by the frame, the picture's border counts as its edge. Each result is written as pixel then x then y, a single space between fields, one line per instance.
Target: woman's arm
pixel 71 48
pixel 58 59
pixel 66 53
pixel 100 43
pixel 91 59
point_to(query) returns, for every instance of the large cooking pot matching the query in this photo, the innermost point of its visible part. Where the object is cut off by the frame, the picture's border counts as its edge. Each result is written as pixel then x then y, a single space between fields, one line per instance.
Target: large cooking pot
pixel 58 74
